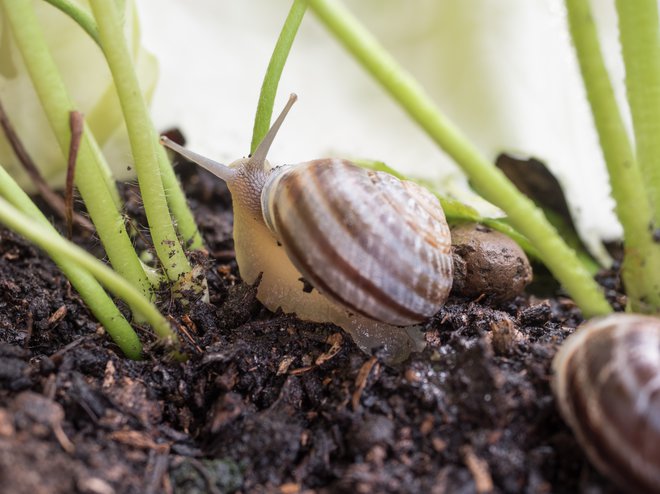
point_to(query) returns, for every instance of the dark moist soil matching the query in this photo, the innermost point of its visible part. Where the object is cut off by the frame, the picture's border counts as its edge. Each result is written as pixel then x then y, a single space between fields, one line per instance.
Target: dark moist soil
pixel 267 403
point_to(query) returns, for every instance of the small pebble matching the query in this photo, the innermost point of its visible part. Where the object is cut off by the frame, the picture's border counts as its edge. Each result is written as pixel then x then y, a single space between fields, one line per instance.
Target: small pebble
pixel 488 263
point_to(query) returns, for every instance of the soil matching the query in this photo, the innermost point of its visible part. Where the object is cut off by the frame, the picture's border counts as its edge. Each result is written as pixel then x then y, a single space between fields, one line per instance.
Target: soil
pixel 267 403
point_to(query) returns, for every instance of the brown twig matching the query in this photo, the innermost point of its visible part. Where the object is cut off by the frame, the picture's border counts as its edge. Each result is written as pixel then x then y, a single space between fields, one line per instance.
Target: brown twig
pixel 361 381
pixel 479 469
pixel 160 463
pixel 50 196
pixel 186 333
pixel 76 125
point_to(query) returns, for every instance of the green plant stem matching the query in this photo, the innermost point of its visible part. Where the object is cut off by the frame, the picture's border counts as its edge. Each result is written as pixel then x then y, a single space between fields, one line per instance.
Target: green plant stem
pixel 103 308
pixel 274 72
pixel 566 230
pixel 488 180
pixel 89 178
pixel 85 20
pixel 104 169
pixel 176 200
pixel 640 45
pixel 641 265
pixel 142 139
pixel 78 14
pixel 43 236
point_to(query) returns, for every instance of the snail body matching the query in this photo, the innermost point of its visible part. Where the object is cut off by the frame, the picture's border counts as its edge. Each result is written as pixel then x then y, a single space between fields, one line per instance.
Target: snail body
pixel 607 385
pixel 332 242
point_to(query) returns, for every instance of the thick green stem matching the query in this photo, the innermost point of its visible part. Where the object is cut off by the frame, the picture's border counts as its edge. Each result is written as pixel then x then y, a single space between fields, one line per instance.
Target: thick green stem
pixel 92 293
pixel 63 249
pixel 274 72
pixel 86 21
pixel 142 139
pixel 78 14
pixel 89 171
pixel 641 266
pixel 640 44
pixel 176 200
pixel 487 179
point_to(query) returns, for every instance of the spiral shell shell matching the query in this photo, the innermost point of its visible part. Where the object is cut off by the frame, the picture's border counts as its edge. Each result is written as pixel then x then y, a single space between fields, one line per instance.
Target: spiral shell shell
pixel 376 245
pixel 607 384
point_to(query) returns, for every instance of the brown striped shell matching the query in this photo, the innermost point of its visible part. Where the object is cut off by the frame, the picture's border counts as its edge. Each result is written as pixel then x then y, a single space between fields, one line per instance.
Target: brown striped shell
pixel 375 244
pixel 607 384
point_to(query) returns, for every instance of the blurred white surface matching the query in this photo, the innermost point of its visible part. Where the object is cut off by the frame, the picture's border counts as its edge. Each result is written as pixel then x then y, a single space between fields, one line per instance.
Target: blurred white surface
pixel 502 70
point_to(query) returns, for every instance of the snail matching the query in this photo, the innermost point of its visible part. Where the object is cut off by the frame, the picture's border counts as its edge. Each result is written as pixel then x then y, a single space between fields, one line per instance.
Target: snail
pixel 607 384
pixel 374 249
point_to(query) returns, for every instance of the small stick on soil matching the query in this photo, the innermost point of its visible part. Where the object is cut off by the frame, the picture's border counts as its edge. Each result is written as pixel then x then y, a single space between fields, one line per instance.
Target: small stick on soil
pixel 159 469
pixel 479 469
pixel 76 125
pixel 49 195
pixel 187 334
pixel 57 316
pixel 62 438
pixel 57 356
pixel 224 255
pixel 361 381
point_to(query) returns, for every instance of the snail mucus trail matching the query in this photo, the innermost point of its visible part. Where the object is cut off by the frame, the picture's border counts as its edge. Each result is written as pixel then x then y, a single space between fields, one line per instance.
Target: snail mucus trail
pixel 375 249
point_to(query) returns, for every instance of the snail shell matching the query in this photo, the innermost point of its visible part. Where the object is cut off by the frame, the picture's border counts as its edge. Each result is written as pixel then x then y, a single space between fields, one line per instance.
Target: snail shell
pixel 607 384
pixel 374 244
pixel 375 249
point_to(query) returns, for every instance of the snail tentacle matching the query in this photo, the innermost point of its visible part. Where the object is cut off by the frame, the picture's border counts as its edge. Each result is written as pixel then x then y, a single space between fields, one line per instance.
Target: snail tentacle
pixel 218 169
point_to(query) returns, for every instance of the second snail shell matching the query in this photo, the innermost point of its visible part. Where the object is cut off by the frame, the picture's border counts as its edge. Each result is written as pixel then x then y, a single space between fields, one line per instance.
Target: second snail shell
pixel 607 385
